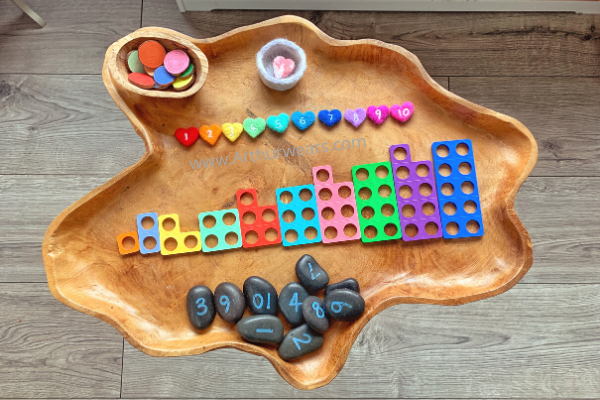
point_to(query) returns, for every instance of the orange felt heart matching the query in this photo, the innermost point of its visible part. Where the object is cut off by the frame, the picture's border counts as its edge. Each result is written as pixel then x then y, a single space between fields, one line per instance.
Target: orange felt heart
pixel 188 136
pixel 210 134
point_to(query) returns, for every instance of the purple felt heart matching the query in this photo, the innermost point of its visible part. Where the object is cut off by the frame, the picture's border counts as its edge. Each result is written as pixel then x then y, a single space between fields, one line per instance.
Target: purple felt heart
pixel 404 112
pixel 355 117
pixel 378 114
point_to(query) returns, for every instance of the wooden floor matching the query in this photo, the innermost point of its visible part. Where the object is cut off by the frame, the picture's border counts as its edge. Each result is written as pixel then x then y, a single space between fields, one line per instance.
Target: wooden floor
pixel 61 136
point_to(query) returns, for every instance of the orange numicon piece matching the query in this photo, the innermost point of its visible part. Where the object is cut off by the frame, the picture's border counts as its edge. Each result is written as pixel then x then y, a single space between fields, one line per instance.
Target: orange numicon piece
pixel 152 54
pixel 121 238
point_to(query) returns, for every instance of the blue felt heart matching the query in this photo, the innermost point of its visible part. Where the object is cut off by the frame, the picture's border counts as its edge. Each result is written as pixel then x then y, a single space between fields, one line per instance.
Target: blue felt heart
pixel 330 118
pixel 303 121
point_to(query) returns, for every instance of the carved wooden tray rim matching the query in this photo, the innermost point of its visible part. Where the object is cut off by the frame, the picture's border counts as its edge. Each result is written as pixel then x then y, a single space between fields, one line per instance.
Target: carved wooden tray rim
pixel 153 151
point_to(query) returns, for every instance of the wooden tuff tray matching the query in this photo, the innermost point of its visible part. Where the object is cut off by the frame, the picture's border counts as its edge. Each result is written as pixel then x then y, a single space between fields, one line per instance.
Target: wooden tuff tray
pixel 144 296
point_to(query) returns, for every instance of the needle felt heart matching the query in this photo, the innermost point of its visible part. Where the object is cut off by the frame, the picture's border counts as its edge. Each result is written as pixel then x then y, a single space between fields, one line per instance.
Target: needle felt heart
pixel 188 136
pixel 254 127
pixel 378 114
pixel 303 121
pixel 282 67
pixel 404 112
pixel 330 118
pixel 355 117
pixel 232 131
pixel 278 123
pixel 210 134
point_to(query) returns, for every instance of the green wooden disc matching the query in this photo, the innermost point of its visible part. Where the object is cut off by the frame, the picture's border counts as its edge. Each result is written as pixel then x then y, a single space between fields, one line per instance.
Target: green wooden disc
pixel 188 71
pixel 134 63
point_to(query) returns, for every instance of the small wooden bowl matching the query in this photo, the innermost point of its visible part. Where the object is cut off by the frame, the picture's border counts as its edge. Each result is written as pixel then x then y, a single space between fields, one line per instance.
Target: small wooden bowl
pixel 117 65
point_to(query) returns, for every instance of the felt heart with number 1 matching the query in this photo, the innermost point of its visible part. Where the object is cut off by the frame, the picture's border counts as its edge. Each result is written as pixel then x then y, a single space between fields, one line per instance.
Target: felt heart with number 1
pixel 188 136
pixel 254 127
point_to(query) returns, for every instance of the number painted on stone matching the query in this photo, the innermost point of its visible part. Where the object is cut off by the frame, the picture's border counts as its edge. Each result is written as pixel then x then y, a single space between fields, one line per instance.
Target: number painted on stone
pixel 297 341
pixel 262 330
pixel 312 277
pixel 201 304
pixel 318 310
pixel 336 306
pixel 294 301
pixel 258 295
pixel 224 301
pixel 268 301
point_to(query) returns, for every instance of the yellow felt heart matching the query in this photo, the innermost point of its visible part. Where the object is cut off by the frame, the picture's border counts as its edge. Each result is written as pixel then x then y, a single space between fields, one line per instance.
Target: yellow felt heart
pixel 232 131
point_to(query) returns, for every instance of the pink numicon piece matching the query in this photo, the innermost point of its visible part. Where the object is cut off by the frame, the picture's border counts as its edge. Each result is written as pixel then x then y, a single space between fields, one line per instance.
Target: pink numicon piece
pixel 176 61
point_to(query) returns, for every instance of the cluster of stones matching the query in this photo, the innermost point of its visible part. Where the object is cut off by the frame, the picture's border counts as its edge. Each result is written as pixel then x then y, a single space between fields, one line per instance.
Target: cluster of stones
pixel 308 314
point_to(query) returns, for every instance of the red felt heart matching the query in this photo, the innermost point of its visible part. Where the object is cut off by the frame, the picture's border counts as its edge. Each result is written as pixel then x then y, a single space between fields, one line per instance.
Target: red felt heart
pixel 188 136
pixel 282 67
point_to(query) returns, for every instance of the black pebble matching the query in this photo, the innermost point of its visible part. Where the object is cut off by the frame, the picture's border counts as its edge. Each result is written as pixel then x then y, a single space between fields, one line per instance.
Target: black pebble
pixel 344 305
pixel 312 276
pixel 261 296
pixel 261 329
pixel 314 314
pixel 200 307
pixel 350 284
pixel 290 302
pixel 229 302
pixel 299 342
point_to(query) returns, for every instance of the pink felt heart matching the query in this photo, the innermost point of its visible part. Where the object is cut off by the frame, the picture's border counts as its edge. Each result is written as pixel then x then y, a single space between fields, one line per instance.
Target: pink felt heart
pixel 282 67
pixel 378 114
pixel 404 112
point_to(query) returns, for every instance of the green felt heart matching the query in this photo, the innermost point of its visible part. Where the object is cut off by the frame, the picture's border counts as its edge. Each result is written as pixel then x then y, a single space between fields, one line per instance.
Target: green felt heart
pixel 254 127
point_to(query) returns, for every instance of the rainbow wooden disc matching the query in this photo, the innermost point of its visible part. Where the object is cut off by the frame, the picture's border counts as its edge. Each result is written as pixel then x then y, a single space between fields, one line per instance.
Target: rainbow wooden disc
pixel 152 54
pixel 176 62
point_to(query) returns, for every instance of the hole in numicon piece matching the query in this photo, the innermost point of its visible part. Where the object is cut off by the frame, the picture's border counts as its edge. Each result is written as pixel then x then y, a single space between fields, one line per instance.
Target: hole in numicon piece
pixel 190 241
pixel 447 189
pixel 367 212
pixel 327 213
pixel 422 170
pixel 473 226
pixel 464 168
pixel 325 194
pixel 402 172
pixel 462 149
pixel 308 214
pixel 452 228
pixel 128 243
pixel 450 208
pixel 431 228
pixel 405 191
pixel 347 211
pixel 350 230
pixel 289 216
pixel 310 233
pixel 362 174
pixel 442 150
pixel 291 235
pixel 390 229
pixel 169 224
pixel 411 230
pixel 470 207
pixel 364 193
pixel 445 170
pixel 147 223
pixel 425 189
pixel 209 221
pixel 428 208
pixel 286 197
pixel 344 192
pixel 400 153
pixel 149 243
pixel 247 199
pixel 382 171
pixel 170 244
pixel 387 210
pixel 384 191
pixel 330 232
pixel 211 241
pixel 268 215
pixel 249 217
pixel 229 219
pixel 251 237
pixel 408 211
pixel 467 187
pixel 271 234
pixel 231 238
pixel 370 232
pixel 322 175
pixel 305 195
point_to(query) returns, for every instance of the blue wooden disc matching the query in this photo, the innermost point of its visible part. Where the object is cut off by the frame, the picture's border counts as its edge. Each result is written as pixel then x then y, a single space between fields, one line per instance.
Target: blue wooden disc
pixel 162 77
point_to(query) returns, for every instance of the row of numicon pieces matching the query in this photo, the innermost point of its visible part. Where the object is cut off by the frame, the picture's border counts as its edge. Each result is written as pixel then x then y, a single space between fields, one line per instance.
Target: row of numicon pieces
pixel 420 207
pixel 297 302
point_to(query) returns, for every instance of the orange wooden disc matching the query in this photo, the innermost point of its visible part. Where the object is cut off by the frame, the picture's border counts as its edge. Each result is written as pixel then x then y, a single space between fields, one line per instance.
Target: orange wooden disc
pixel 152 54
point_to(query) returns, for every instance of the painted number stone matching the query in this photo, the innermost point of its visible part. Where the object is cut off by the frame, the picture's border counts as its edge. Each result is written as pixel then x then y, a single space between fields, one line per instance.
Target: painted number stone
pixel 344 305
pixel 200 307
pixel 300 341
pixel 290 302
pixel 312 276
pixel 350 284
pixel 229 302
pixel 261 296
pixel 261 329
pixel 314 314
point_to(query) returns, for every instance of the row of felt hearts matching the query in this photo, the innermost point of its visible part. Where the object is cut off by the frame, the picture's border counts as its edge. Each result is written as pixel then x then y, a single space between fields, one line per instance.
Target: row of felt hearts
pixel 302 121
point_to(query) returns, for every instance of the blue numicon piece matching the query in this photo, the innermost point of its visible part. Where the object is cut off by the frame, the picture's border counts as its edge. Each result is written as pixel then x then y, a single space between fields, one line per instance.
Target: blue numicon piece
pixel 300 199
pixel 151 232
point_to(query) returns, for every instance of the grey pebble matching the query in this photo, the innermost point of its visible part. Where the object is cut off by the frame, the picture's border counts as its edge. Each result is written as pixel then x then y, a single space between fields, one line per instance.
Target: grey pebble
pixel 261 296
pixel 261 329
pixel 290 302
pixel 299 342
pixel 344 305
pixel 312 276
pixel 200 307
pixel 350 284
pixel 229 302
pixel 314 314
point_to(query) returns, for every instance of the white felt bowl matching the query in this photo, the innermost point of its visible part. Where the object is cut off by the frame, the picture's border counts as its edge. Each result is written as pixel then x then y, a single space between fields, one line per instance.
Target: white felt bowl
pixel 287 49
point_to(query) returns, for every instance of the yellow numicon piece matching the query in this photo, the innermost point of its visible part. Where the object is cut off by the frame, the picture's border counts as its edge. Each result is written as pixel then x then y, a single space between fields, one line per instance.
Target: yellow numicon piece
pixel 170 235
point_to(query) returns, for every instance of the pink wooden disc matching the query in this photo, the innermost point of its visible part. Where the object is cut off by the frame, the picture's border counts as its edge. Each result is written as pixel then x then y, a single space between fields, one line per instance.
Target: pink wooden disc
pixel 176 62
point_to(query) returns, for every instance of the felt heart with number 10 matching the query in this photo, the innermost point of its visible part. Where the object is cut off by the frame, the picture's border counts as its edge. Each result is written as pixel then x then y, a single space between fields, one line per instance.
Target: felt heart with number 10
pixel 404 112
pixel 254 127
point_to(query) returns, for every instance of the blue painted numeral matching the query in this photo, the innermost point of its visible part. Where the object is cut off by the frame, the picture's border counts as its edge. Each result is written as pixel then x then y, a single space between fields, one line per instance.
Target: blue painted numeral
pixel 294 301
pixel 318 310
pixel 201 303
pixel 259 296
pixel 297 341
pixel 224 301
pixel 312 277
pixel 336 306
pixel 260 330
